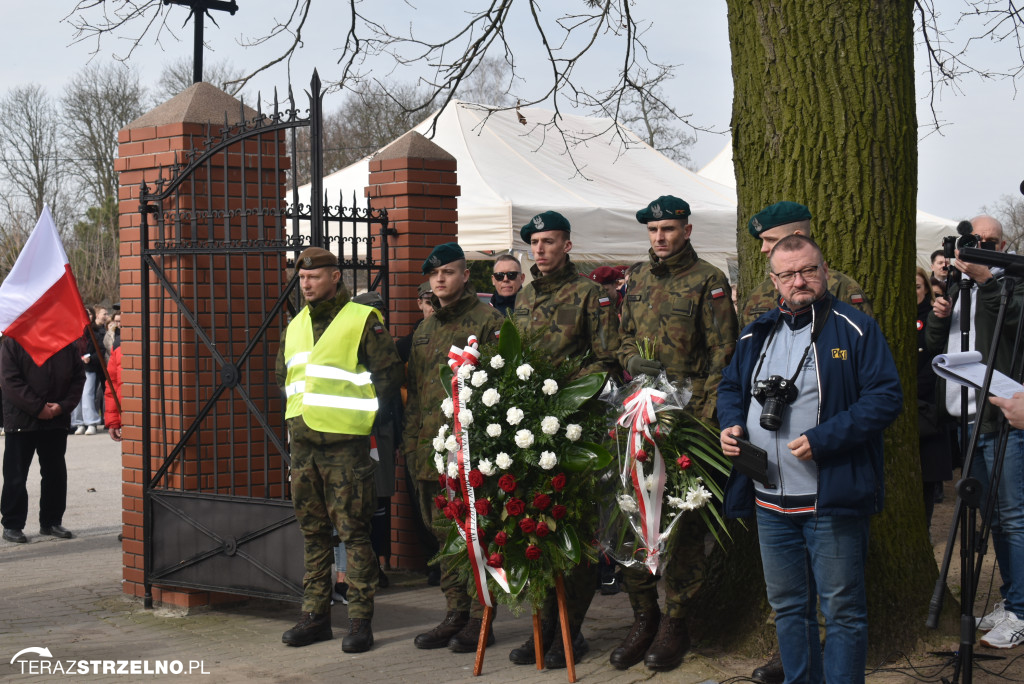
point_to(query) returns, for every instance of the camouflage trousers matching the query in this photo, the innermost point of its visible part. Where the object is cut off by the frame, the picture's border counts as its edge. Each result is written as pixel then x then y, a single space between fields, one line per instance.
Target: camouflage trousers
pixel 683 571
pixel 332 488
pixel 580 587
pixel 459 595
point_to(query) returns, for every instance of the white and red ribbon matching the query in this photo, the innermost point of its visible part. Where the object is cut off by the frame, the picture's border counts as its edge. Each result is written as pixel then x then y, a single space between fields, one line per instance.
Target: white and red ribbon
pixel 638 414
pixel 468 528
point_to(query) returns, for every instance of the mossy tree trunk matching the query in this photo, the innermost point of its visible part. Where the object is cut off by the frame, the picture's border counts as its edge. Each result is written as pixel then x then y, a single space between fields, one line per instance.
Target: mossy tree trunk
pixel 824 114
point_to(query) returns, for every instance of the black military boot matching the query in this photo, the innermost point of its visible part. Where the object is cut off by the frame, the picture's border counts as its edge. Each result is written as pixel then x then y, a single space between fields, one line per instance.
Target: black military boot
pixel 771 672
pixel 310 628
pixel 670 645
pixel 527 653
pixel 633 648
pixel 465 640
pixel 554 659
pixel 443 633
pixel 359 638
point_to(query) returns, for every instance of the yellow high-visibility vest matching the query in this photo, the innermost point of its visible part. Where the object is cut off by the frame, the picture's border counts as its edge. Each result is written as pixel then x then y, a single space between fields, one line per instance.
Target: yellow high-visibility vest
pixel 325 383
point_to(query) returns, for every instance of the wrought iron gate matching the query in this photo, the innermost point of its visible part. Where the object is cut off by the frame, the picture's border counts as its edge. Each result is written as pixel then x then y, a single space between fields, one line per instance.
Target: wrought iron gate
pixel 217 239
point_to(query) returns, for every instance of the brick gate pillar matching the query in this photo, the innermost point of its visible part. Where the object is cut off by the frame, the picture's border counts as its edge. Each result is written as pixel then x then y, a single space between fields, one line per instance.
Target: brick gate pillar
pixel 415 180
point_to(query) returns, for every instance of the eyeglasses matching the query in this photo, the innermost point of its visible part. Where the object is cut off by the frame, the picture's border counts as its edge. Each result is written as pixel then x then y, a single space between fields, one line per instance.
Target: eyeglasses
pixel 511 275
pixel 809 273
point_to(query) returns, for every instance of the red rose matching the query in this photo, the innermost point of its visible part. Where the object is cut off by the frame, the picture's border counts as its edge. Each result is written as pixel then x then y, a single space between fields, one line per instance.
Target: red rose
pixel 558 482
pixel 532 552
pixel 476 478
pixel 558 512
pixel 527 525
pixel 460 508
pixel 442 480
pixel 500 539
pixel 542 529
pixel 482 506
pixel 541 501
pixel 684 462
pixel 507 483
pixel 515 506
pixel 449 511
pixel 641 456
pixel 440 501
pixel 496 560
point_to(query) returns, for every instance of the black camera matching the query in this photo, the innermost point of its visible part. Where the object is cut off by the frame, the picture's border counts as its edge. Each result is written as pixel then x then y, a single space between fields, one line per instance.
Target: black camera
pixel 774 395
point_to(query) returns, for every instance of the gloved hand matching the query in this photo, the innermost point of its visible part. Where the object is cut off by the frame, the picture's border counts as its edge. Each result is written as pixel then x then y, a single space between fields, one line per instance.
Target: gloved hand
pixel 637 365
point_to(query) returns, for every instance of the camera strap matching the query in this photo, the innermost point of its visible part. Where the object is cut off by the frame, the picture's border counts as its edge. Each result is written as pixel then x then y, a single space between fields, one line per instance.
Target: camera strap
pixel 817 324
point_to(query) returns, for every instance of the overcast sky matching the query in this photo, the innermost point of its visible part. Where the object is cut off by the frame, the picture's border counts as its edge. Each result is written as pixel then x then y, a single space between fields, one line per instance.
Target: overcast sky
pixel 977 157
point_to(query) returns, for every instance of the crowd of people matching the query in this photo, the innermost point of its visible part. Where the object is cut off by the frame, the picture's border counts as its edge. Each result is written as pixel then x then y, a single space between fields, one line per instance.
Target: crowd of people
pixel 798 376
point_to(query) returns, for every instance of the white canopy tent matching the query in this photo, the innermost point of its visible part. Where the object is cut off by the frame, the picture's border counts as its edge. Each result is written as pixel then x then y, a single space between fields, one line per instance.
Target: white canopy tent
pixel 509 172
pixel 930 229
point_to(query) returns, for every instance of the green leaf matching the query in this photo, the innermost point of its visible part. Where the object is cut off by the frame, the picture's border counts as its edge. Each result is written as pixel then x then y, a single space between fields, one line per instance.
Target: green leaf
pixel 569 543
pixel 584 455
pixel 510 344
pixel 447 374
pixel 517 578
pixel 453 544
pixel 573 395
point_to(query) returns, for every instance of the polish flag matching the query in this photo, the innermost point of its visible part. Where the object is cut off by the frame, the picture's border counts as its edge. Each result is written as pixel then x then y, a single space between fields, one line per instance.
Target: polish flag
pixel 40 306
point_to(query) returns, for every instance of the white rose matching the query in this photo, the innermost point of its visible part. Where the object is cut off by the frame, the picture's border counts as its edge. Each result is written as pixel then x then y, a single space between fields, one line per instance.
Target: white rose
pixel 549 425
pixel 439 462
pixel 493 430
pixel 450 444
pixel 442 431
pixel 448 407
pixel 497 362
pixel 485 467
pixel 627 504
pixel 453 470
pixel 439 444
pixel 466 417
pixel 503 460
pixel 479 378
pixel 573 432
pixel 525 371
pixel 465 371
pixel 550 387
pixel 548 460
pixel 524 438
pixel 514 416
pixel 491 397
pixel 465 393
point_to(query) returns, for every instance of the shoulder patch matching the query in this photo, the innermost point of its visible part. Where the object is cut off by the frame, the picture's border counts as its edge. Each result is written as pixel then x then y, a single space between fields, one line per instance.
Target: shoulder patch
pixel 857 299
pixel 604 301
pixel 378 328
pixel 718 292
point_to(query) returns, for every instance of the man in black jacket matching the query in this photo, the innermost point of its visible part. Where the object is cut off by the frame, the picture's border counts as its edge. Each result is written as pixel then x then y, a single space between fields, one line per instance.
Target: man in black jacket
pixel 37 405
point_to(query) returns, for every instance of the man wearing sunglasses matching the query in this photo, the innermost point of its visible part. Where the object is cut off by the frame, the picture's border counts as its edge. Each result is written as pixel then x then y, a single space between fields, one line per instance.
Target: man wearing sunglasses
pixel 770 225
pixel 508 280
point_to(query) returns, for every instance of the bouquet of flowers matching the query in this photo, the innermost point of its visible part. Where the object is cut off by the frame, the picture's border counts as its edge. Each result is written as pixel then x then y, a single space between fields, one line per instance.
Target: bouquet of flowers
pixel 668 462
pixel 517 466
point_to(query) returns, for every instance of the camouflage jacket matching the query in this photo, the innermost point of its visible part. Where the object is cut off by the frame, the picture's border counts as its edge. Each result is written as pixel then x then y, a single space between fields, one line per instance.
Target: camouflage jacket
pixel 569 315
pixel 684 305
pixel 450 325
pixel 764 298
pixel 377 353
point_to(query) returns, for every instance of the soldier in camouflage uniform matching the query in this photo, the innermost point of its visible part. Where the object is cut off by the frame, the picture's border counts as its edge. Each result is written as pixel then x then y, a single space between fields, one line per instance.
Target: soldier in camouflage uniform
pixel 567 315
pixel 770 225
pixel 331 470
pixel 684 305
pixel 458 313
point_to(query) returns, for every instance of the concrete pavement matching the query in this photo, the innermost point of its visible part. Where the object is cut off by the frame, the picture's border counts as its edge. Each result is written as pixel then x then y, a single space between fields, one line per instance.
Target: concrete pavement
pixel 64 595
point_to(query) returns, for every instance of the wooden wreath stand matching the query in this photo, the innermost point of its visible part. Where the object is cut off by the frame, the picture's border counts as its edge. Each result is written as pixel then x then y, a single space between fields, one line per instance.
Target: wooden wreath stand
pixel 538 638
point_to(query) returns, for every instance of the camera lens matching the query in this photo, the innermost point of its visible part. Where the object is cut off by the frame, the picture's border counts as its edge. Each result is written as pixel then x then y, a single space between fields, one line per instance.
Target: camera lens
pixel 771 414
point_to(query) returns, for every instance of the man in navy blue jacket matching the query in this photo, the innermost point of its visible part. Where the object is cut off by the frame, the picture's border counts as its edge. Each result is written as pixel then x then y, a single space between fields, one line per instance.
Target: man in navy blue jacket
pixel 824 371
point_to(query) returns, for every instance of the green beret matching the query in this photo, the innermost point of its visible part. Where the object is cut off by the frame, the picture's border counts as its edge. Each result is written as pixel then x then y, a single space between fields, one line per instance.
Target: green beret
pixel 424 289
pixel 778 214
pixel 315 257
pixel 443 254
pixel 665 207
pixel 549 220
